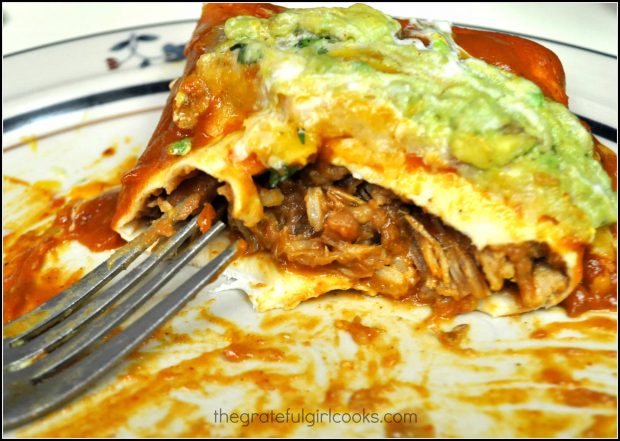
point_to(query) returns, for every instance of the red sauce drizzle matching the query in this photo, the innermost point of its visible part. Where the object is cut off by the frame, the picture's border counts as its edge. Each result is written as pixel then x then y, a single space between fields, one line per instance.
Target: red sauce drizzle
pixel 206 217
pixel 598 289
pixel 25 284
pixel 518 55
pixel 91 221
pixel 227 109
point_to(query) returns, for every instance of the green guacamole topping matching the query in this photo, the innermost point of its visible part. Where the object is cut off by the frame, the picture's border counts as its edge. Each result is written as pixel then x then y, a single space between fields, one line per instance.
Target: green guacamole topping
pixel 495 128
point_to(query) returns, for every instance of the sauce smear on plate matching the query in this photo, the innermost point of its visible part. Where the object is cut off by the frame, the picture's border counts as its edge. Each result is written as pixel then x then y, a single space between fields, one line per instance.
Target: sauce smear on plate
pixel 27 284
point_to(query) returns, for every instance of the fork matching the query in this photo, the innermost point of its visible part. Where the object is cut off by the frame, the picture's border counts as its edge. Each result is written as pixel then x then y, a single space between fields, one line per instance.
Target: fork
pixel 50 353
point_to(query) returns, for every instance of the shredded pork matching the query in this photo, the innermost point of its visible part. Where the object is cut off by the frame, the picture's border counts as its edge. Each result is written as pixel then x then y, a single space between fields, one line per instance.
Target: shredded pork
pixel 324 218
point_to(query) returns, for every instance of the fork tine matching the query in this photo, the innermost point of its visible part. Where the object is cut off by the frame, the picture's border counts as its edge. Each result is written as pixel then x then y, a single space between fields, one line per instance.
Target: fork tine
pixel 24 401
pixel 39 319
pixel 49 339
pixel 102 325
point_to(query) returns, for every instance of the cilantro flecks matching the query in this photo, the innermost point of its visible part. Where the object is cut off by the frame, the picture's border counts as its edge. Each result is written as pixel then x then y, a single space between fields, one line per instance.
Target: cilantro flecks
pixel 301 134
pixel 247 54
pixel 180 147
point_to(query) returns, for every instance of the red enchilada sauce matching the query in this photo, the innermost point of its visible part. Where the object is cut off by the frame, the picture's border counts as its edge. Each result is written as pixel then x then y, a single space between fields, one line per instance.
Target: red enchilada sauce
pixel 225 111
pixel 206 218
pixel 26 285
pixel 599 286
pixel 91 220
pixel 517 55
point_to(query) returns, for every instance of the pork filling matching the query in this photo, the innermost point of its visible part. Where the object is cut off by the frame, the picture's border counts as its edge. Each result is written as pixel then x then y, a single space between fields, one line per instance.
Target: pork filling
pixel 323 217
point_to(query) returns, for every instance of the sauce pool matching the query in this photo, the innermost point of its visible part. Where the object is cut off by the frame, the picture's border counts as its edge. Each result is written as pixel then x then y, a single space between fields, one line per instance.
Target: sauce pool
pixel 92 219
pixel 26 284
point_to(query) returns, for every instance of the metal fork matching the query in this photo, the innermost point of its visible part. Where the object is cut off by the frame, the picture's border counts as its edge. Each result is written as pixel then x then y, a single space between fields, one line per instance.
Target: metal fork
pixel 50 354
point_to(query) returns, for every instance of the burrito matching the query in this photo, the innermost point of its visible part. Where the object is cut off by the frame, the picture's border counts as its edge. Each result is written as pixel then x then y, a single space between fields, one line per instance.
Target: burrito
pixel 360 152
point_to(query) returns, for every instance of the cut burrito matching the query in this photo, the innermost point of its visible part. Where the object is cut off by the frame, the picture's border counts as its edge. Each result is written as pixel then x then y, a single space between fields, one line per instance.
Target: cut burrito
pixel 357 151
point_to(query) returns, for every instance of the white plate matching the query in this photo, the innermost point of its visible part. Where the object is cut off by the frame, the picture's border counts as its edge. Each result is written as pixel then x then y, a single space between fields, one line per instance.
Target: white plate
pixel 498 382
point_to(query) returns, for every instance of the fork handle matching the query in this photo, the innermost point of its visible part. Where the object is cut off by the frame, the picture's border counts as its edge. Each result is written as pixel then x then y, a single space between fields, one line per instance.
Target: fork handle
pixel 26 401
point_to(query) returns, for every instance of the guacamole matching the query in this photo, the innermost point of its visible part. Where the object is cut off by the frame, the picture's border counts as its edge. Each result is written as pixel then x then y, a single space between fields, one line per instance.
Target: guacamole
pixel 491 126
